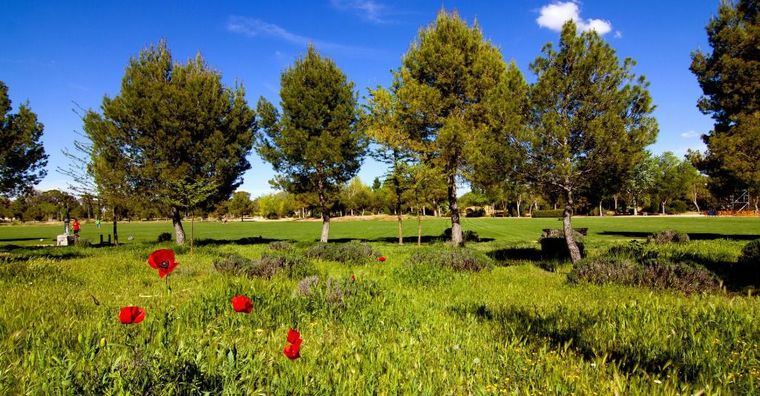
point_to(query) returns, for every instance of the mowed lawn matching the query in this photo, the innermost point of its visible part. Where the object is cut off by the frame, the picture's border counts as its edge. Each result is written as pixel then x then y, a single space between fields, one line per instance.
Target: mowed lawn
pixel 516 328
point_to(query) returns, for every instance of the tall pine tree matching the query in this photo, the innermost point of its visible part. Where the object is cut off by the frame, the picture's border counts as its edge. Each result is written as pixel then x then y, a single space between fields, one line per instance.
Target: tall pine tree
pixel 315 145
pixel 442 86
pixel 590 113
pixel 171 127
pixel 730 80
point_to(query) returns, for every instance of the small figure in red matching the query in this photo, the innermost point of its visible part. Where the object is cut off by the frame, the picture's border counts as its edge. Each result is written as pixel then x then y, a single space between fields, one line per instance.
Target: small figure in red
pixel 75 227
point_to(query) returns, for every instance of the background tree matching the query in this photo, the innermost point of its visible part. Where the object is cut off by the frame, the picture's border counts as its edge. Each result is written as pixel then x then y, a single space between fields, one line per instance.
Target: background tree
pixel 673 178
pixel 316 145
pixel 392 146
pixel 641 182
pixel 171 125
pixel 425 188
pixel 240 204
pixel 587 107
pixel 730 80
pixel 441 87
pixel 499 152
pixel 22 156
pixel 356 196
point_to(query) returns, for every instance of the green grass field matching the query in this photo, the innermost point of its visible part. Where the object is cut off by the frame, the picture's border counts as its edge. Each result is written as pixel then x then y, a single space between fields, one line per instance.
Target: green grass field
pixel 514 329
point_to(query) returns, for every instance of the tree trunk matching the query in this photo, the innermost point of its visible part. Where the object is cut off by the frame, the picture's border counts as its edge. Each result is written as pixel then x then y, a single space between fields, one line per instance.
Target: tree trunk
pixel 635 207
pixel 419 228
pixel 601 210
pixel 615 200
pixel 519 201
pixel 325 217
pixel 179 231
pixel 397 188
pixel 192 233
pixel 695 201
pixel 567 227
pixel 456 228
pixel 115 227
pixel 663 207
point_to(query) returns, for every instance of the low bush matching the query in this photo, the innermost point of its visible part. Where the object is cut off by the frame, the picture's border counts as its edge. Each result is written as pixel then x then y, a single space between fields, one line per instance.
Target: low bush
pixel 353 252
pixel 453 258
pixel 83 242
pixel 551 213
pixel 668 236
pixel 164 237
pixel 467 235
pixel 291 265
pixel 748 266
pixel 280 246
pixel 661 274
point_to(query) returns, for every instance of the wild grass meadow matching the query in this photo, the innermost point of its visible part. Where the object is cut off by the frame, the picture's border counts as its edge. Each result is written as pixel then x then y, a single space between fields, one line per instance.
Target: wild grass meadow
pixel 373 327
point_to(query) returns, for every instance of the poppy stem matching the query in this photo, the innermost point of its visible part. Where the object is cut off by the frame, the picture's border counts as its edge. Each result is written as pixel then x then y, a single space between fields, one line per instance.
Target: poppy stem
pixel 168 286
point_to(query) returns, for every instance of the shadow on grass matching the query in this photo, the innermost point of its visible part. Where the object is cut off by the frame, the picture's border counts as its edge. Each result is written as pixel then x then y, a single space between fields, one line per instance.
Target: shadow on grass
pixel 694 236
pixel 516 254
pixel 407 240
pixel 20 239
pixel 566 330
pixel 257 240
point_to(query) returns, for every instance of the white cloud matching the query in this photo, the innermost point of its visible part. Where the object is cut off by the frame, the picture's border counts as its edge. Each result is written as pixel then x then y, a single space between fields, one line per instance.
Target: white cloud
pixel 366 9
pixel 253 27
pixel 618 34
pixel 690 134
pixel 553 16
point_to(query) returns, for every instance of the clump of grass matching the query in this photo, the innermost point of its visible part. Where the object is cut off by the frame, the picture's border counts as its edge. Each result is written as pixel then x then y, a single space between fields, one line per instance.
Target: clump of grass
pixel 292 265
pixel 353 252
pixel 668 236
pixel 336 294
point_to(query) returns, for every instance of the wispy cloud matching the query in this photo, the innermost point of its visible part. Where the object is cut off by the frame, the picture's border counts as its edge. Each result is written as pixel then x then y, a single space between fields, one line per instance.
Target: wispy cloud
pixel 369 10
pixel 253 27
pixel 553 16
pixel 690 134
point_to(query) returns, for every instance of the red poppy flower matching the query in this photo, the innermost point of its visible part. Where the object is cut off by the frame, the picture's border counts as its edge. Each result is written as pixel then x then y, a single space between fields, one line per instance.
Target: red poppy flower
pixel 242 304
pixel 163 261
pixel 353 277
pixel 131 315
pixel 381 259
pixel 293 349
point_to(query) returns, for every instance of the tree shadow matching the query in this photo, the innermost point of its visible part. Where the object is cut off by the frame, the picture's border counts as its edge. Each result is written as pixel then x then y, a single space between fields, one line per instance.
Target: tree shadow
pixel 257 240
pixel 15 253
pixel 21 239
pixel 516 254
pixel 564 329
pixel 412 240
pixel 694 236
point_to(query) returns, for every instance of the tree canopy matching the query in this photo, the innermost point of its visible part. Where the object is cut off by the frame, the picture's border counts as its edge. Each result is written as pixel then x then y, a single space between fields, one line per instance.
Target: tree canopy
pixel 315 145
pixel 171 127
pixel 22 156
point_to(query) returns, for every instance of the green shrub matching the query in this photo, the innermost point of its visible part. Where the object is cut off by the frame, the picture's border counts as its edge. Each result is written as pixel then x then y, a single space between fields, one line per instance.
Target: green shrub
pixel 677 207
pixel 668 236
pixel 336 294
pixel 280 246
pixel 292 265
pixel 748 266
pixel 164 237
pixel 83 242
pixel 353 252
pixel 551 213
pixel 661 274
pixel 453 258
pixel 467 235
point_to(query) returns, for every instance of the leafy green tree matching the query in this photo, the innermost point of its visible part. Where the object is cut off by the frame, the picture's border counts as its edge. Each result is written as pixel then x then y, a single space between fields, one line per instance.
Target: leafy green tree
pixel 730 80
pixel 641 182
pixel 356 196
pixel 22 156
pixel 240 204
pixel 171 128
pixel 315 146
pixel 498 153
pixel 590 112
pixel 382 125
pixel 442 86
pixel 673 178
pixel 425 189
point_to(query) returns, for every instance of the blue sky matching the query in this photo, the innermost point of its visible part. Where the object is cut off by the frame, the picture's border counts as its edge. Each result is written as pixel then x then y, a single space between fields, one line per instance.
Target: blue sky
pixel 59 53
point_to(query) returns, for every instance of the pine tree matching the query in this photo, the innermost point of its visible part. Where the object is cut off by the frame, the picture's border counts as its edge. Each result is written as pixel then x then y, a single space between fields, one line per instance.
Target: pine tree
pixel 315 145
pixel 22 156
pixel 171 127
pixel 730 80
pixel 442 85
pixel 590 114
